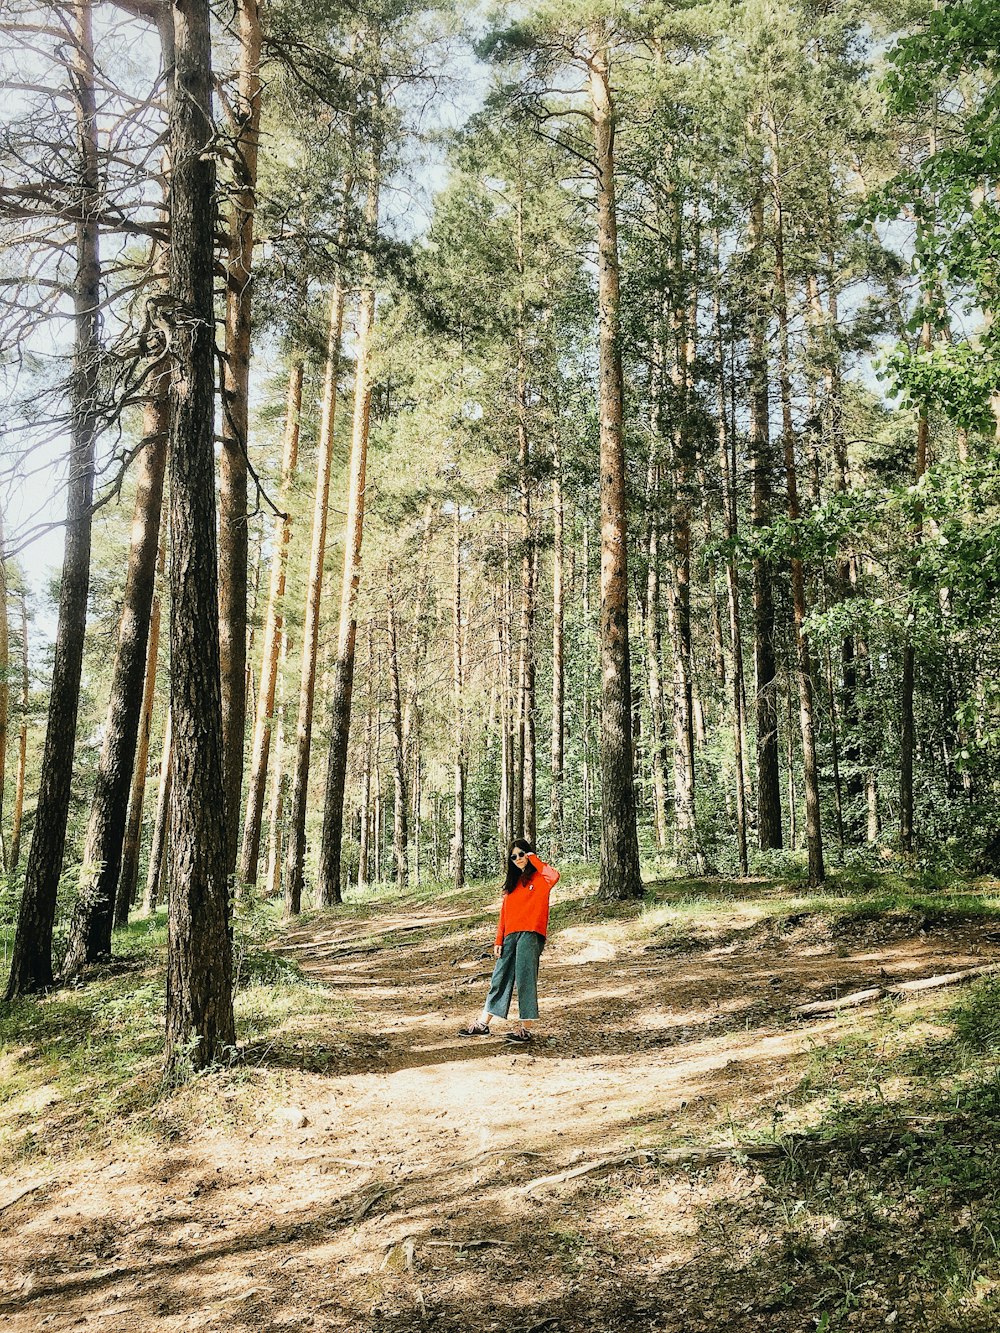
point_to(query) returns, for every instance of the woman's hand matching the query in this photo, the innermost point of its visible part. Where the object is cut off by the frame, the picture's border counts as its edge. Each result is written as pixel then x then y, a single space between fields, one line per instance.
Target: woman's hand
pixel 497 950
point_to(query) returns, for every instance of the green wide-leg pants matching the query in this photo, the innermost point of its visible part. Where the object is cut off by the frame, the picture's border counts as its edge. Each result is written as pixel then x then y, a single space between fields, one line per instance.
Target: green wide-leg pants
pixel 516 966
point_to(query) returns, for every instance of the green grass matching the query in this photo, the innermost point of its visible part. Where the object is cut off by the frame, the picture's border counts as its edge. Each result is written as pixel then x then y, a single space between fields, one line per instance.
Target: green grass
pixel 84 1064
pixel 883 1193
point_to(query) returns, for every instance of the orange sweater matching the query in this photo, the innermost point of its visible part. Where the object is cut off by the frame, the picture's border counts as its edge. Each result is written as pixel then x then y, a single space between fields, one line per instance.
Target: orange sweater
pixel 527 906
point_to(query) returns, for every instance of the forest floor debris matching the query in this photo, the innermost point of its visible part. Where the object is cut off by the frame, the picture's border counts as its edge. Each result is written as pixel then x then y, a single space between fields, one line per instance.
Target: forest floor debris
pixel 679 1152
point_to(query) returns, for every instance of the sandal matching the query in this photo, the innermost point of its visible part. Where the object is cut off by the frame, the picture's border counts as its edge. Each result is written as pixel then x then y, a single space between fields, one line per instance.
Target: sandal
pixel 475 1029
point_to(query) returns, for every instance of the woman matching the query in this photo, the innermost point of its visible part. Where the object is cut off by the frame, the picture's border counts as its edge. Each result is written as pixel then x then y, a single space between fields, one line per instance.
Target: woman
pixel 524 922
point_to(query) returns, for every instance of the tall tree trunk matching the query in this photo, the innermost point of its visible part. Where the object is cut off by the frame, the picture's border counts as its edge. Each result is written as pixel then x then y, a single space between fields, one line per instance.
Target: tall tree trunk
pixel 435 834
pixel 558 665
pixel 295 858
pixel 4 683
pixel 512 785
pixel 458 840
pixel 273 633
pixel 585 769
pixel 651 619
pixel 93 916
pixel 128 878
pixel 907 730
pixel 279 785
pixel 835 754
pixel 732 574
pixel 418 649
pixel 200 1021
pixel 399 820
pixel 686 844
pixel 416 766
pixel 711 570
pixel 907 737
pixel 377 807
pixel 847 566
pixel 765 668
pixel 22 744
pixel 527 824
pixel 161 823
pixel 620 874
pixel 328 884
pixel 31 960
pixel 366 771
pixel 793 805
pixel 814 830
pixel 233 521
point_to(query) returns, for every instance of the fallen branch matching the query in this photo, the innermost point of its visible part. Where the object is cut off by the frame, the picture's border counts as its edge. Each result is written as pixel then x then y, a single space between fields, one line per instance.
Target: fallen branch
pixel 945 979
pixel 898 991
pixel 669 1157
pixel 23 1194
pixel 483 1244
pixel 601 1164
pixel 844 1002
pixel 365 1208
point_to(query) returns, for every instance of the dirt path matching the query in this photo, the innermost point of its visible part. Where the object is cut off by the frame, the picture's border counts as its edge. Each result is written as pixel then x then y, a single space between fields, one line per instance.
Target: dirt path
pixel 372 1176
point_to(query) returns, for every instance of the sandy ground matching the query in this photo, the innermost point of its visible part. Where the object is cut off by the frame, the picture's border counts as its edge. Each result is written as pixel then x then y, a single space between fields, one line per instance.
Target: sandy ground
pixel 373 1176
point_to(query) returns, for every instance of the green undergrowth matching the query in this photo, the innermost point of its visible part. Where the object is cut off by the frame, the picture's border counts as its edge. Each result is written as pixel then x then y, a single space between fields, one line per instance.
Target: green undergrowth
pixel 867 1192
pixel 901 1149
pixel 83 1065
pixel 682 912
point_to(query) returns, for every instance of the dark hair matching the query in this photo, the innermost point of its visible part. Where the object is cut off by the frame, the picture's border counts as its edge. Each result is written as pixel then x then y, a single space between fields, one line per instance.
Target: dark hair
pixel 515 875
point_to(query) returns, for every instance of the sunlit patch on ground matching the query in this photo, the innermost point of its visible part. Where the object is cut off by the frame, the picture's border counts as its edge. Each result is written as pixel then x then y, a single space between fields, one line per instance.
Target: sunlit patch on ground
pixel 677 1152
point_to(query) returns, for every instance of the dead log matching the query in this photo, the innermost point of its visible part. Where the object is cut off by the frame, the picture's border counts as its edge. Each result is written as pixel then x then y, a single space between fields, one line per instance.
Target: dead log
pixel 23 1194
pixel 945 979
pixel 851 1001
pixel 669 1157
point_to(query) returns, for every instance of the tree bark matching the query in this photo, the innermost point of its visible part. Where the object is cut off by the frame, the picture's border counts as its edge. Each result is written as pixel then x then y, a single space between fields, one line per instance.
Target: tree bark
pixel 295 857
pixel 200 1021
pixel 585 767
pixel 686 845
pixel 651 619
pixel 4 684
pixel 399 822
pixel 93 916
pixel 732 573
pixel 846 568
pixel 279 784
pixel 526 753
pixel 765 668
pixel 814 830
pixel 233 520
pixel 558 664
pixel 511 785
pixel 418 649
pixel 458 840
pixel 128 878
pixel 620 874
pixel 416 769
pixel 31 960
pixel 161 822
pixel 907 737
pixel 273 634
pixel 376 833
pixel 22 744
pixel 366 771
pixel 328 884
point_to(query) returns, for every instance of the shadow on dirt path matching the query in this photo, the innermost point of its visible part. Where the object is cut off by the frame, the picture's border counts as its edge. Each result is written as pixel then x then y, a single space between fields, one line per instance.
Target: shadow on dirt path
pixel 388 1177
